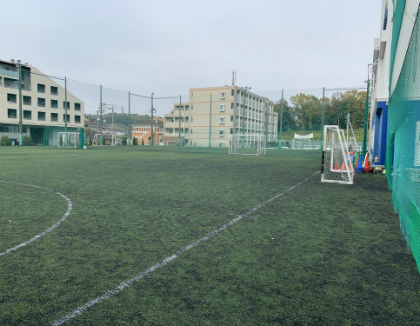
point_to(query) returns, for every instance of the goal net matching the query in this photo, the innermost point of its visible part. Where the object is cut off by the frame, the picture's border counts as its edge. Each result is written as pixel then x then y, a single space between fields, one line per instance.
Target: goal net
pixel 302 141
pixel 336 159
pixel 104 140
pixel 247 144
pixel 68 139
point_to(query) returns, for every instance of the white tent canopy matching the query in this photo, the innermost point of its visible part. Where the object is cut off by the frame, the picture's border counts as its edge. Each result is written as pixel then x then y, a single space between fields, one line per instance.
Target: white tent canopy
pixel 301 145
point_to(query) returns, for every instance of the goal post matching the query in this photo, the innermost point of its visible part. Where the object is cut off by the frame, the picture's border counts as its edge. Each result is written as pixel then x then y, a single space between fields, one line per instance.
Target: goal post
pixel 336 165
pixel 104 140
pixel 303 141
pixel 247 144
pixel 68 139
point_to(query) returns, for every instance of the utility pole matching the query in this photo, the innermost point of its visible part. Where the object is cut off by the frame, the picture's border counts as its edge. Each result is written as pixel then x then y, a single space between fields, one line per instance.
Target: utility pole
pixel 101 112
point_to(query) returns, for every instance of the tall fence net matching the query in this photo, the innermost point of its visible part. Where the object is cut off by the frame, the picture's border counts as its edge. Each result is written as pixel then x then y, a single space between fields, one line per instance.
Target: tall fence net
pixel 403 134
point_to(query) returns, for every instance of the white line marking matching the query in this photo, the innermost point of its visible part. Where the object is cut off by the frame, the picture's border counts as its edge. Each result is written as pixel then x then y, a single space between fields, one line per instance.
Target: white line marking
pixel 125 284
pixel 153 164
pixel 69 208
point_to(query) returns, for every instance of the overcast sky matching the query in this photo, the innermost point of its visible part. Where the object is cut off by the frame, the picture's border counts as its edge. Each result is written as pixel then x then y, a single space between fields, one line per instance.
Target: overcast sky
pixel 167 47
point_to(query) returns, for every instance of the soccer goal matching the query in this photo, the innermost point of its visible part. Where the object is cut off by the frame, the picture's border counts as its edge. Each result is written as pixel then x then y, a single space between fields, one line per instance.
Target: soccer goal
pixel 303 142
pixel 104 140
pixel 336 159
pixel 247 144
pixel 68 139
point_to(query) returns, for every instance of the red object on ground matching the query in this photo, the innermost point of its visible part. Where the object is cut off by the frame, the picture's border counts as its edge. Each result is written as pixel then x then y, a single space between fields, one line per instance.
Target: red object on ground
pixel 366 166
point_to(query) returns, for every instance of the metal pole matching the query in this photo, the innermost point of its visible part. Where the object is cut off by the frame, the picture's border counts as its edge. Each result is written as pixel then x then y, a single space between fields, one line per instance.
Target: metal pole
pixel 179 128
pixel 151 134
pixel 322 118
pixel 210 122
pixel 65 104
pixel 281 119
pixel 129 122
pixel 101 111
pixel 366 116
pixel 20 108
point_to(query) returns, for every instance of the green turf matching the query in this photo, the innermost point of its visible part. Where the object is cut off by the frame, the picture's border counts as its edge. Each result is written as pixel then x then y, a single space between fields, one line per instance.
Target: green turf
pixel 321 254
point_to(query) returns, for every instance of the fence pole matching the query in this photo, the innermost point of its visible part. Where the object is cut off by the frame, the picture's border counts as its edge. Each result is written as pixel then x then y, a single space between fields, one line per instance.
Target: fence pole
pixel 179 127
pixel 322 118
pixel 210 121
pixel 20 108
pixel 65 104
pixel 151 122
pixel 281 120
pixel 101 111
pixel 366 117
pixel 129 118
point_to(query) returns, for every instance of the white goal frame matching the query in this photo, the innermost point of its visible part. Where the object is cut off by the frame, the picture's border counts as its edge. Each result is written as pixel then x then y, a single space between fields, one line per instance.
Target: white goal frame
pixel 247 144
pixel 97 139
pixel 335 156
pixel 68 139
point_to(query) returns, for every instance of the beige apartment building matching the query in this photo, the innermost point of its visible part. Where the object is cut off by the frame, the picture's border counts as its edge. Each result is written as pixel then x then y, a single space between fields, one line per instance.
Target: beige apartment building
pixel 213 113
pixel 43 103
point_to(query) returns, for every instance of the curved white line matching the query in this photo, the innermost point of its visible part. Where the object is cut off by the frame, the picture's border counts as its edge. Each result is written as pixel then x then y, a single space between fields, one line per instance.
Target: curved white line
pixel 70 206
pixel 165 261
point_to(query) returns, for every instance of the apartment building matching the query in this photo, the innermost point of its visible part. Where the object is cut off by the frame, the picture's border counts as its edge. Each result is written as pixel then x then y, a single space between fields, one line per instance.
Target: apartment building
pixel 43 103
pixel 213 113
pixel 142 131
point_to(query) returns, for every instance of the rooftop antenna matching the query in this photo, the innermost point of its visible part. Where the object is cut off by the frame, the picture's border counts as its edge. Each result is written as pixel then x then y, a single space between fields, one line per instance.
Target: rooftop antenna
pixel 233 77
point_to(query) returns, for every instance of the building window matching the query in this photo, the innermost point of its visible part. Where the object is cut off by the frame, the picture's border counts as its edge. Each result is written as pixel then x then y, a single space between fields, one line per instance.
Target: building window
pixel 41 88
pixel 77 119
pixel 68 105
pixel 222 108
pixel 231 118
pixel 27 115
pixel 192 107
pixel 68 118
pixel 192 119
pixel 41 102
pixel 221 145
pixel 77 106
pixel 137 129
pixel 54 104
pixel 221 133
pixel 11 113
pixel 41 116
pixel 222 95
pixel 192 94
pixel 232 92
pixel 222 121
pixel 11 98
pixel 231 131
pixel 385 18
pixel 54 90
pixel 54 117
pixel 27 100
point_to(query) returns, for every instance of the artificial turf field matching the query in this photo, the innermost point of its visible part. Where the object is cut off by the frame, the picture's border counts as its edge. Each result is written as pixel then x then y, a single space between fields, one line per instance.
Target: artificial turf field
pixel 317 254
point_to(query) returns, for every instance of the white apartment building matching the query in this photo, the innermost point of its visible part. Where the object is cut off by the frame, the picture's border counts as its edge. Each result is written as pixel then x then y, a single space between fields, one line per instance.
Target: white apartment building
pixel 43 103
pixel 213 113
pixel 381 67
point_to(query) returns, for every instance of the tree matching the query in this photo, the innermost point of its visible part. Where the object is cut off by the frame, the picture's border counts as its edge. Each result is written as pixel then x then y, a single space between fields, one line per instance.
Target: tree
pixel 5 141
pixel 288 121
pixel 135 142
pixel 306 111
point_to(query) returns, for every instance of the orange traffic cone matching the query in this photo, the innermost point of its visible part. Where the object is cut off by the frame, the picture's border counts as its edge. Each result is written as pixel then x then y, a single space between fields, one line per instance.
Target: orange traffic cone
pixel 366 166
pixel 343 167
pixel 335 166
